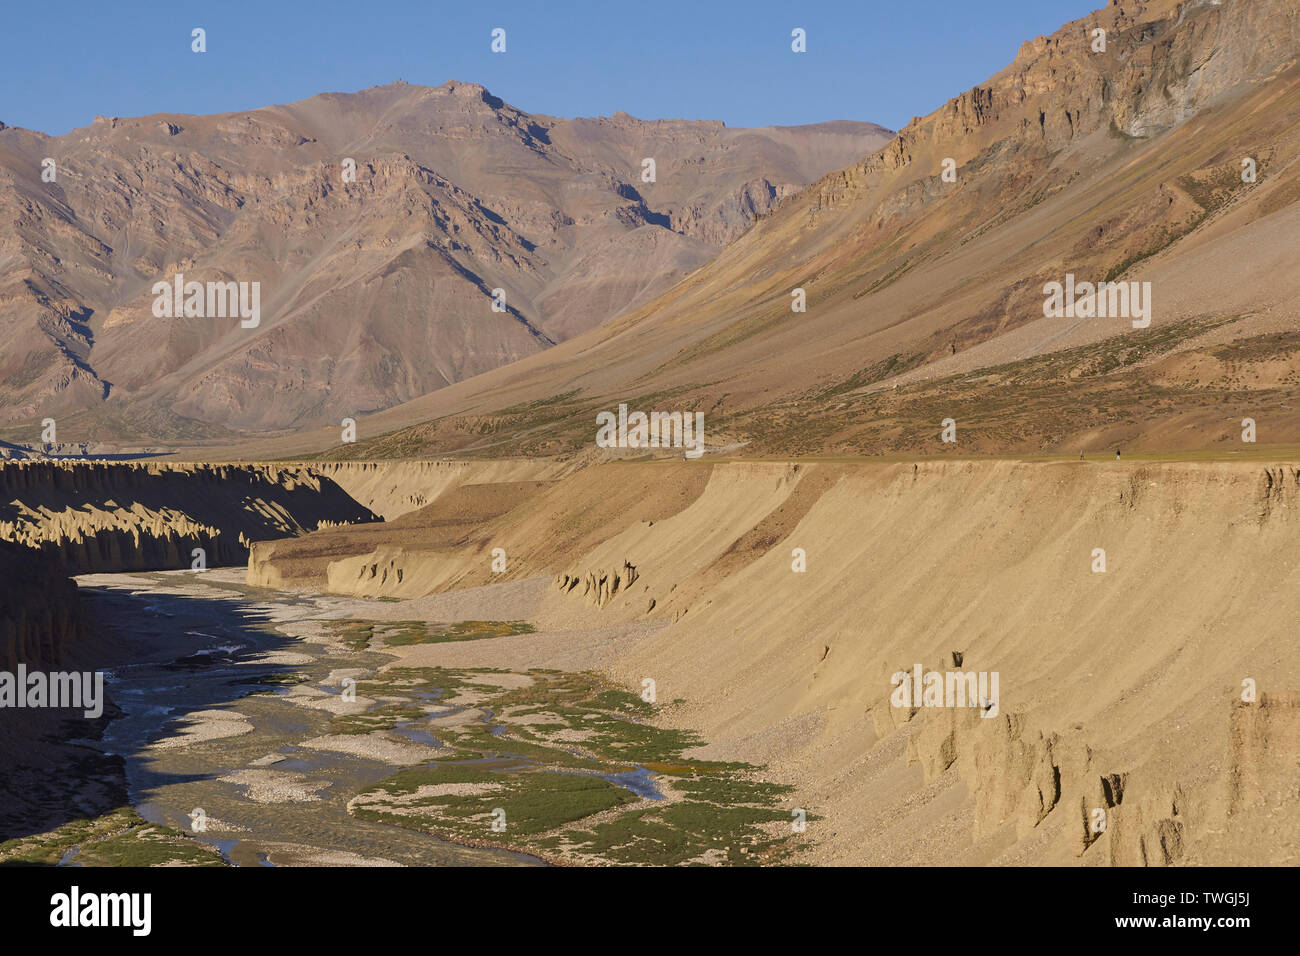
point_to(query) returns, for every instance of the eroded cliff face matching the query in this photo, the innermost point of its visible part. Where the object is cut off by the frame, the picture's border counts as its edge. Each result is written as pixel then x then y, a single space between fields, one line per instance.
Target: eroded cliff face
pixel 1143 710
pixel 395 488
pixel 47 775
pixel 133 517
pixel 1142 707
pixel 41 617
pixel 531 513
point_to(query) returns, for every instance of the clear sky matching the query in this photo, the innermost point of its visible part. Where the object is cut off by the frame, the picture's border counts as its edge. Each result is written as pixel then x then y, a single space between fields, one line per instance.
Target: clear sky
pixel 63 63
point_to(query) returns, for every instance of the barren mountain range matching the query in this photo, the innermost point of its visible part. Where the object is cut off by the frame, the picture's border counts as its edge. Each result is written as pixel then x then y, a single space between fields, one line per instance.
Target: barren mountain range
pixel 1125 161
pixel 377 275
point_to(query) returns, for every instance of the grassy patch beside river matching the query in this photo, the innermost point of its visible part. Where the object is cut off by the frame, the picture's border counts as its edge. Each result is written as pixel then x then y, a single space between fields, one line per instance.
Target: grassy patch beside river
pixel 569 768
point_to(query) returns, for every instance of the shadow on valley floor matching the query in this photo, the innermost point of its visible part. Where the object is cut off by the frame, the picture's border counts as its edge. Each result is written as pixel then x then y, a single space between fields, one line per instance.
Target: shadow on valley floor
pixel 166 659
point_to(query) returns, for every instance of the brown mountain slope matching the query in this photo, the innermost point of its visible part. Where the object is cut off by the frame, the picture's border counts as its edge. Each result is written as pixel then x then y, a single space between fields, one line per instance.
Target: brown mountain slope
pixel 373 291
pixel 1122 164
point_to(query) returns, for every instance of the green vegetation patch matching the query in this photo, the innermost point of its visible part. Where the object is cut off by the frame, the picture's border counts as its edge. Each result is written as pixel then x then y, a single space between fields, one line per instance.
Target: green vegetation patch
pixel 546 762
pixel 361 635
pixel 379 718
pixel 269 682
pixel 354 635
pixel 417 632
pixel 120 838
pixel 464 801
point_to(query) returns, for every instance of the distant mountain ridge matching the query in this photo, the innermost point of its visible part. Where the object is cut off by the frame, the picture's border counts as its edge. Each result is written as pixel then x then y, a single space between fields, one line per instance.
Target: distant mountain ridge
pixel 373 291
pixel 1152 141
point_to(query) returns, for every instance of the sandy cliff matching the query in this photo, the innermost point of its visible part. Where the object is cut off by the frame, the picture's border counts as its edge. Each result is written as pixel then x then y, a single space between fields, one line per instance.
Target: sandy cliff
pixel 1121 690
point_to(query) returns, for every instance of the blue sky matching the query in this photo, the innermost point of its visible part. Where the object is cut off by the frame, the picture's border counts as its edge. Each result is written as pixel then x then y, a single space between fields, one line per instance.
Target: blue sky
pixel 728 60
